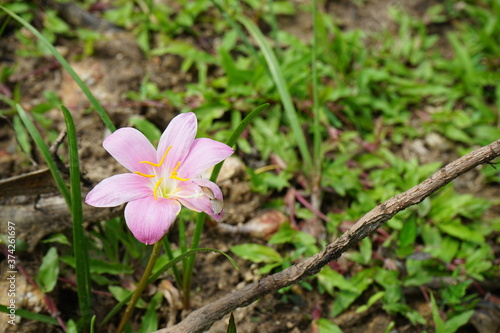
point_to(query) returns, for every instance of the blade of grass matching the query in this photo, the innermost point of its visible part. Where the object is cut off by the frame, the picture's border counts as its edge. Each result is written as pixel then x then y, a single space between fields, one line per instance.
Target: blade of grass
pixel 236 134
pixel 316 127
pixel 102 113
pixel 31 315
pixel 238 30
pixel 83 282
pixel 187 274
pixel 274 25
pixel 279 80
pixel 163 269
pixel 231 328
pixel 44 150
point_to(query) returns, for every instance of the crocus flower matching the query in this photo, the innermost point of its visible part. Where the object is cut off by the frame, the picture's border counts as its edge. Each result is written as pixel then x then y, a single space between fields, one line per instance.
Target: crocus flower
pixel 161 180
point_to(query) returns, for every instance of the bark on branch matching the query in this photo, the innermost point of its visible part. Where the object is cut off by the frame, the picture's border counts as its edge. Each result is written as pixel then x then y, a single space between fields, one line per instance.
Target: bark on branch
pixel 204 317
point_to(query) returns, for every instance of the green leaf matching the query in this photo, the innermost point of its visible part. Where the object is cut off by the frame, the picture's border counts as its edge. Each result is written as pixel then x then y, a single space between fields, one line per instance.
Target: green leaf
pixel 71 327
pixel 231 328
pixel 449 249
pixel 57 238
pixel 123 295
pixel 257 253
pixel 83 281
pixel 147 128
pixel 22 135
pixel 285 234
pixel 366 250
pixel 409 232
pixel 98 266
pixel 326 326
pixel 440 327
pixel 372 300
pixel 150 319
pixel 453 324
pixel 456 134
pixel 418 274
pixel 286 99
pixel 44 150
pixel 49 271
pixel 331 279
pixel 463 232
pixel 236 134
pixel 31 315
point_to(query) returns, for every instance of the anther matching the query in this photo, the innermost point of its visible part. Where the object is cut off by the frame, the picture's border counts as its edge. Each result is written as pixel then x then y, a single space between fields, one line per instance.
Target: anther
pixel 174 173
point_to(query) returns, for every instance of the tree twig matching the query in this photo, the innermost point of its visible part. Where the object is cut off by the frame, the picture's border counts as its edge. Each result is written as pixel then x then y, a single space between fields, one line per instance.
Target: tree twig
pixel 204 317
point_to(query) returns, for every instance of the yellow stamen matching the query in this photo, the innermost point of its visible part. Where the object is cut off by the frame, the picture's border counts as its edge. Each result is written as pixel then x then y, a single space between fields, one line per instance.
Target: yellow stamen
pixel 174 173
pixel 144 175
pixel 162 159
pixel 156 188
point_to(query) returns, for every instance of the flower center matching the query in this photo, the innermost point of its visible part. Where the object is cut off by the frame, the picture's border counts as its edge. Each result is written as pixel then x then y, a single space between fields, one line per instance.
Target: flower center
pixel 167 188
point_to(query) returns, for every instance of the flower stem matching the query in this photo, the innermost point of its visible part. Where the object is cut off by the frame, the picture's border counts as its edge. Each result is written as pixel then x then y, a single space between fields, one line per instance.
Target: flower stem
pixel 200 220
pixel 140 287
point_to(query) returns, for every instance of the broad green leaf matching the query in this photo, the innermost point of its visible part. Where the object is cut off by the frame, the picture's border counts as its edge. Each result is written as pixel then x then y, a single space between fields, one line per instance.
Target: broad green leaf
pixel 71 327
pixel 326 326
pixel 150 319
pixel 409 232
pixel 440 327
pixel 57 238
pixel 122 294
pixel 372 300
pixel 460 231
pixel 331 279
pixel 22 135
pixel 49 271
pixel 454 323
pixel 147 128
pixel 257 253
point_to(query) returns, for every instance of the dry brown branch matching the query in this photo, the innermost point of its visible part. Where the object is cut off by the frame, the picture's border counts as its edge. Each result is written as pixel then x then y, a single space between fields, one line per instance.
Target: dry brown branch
pixel 34 204
pixel 204 317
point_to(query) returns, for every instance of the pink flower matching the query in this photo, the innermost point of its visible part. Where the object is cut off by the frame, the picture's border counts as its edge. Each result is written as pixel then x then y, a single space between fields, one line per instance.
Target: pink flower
pixel 163 179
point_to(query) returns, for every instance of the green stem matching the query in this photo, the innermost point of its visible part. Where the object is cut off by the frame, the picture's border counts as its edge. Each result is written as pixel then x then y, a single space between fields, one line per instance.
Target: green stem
pixel 170 255
pixel 188 264
pixel 140 287
pixel 187 274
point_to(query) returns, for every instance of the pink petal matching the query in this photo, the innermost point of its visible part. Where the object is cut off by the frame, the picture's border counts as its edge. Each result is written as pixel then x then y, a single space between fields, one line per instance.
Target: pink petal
pixel 149 219
pixel 204 153
pixel 118 189
pixel 200 203
pixel 179 134
pixel 129 147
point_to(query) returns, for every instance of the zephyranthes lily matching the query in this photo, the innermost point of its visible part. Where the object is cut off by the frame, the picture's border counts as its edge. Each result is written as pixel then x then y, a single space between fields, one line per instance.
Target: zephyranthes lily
pixel 160 180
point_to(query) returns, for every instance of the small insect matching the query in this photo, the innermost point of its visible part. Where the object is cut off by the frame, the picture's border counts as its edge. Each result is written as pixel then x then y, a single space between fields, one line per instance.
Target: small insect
pixel 208 192
pixel 217 206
